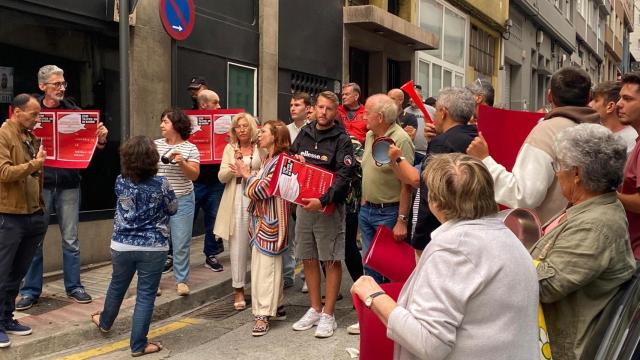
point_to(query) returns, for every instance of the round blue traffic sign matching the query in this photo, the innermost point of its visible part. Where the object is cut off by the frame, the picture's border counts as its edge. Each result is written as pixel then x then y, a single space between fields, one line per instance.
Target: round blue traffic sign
pixel 178 17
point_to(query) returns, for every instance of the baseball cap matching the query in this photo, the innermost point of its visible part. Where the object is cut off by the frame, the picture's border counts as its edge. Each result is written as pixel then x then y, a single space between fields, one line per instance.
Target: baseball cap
pixel 196 81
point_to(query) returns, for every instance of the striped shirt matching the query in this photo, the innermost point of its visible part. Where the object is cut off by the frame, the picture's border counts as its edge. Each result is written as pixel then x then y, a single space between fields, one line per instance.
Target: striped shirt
pixel 181 185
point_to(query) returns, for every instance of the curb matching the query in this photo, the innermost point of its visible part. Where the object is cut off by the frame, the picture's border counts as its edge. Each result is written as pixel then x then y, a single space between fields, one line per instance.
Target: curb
pixel 42 344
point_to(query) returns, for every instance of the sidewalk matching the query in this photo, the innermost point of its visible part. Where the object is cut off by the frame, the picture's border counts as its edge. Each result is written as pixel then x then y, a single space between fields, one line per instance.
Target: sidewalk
pixel 59 323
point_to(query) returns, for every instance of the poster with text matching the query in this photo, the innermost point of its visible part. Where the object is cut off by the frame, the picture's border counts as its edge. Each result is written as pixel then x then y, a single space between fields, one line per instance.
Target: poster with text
pixel 6 84
pixel 46 131
pixel 222 120
pixel 75 138
pixel 202 134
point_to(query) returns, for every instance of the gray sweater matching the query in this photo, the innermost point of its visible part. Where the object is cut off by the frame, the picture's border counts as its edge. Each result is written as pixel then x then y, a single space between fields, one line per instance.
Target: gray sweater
pixel 473 295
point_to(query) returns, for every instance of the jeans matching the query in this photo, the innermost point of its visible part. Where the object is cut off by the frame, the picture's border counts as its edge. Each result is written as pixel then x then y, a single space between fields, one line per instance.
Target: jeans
pixel 369 220
pixel 207 197
pixel 65 203
pixel 149 266
pixel 181 225
pixel 288 259
pixel 20 235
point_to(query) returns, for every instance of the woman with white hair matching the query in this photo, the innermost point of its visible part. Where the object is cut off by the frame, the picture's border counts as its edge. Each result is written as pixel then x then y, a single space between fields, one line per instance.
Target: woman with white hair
pixel 584 255
pixel 233 224
pixel 473 294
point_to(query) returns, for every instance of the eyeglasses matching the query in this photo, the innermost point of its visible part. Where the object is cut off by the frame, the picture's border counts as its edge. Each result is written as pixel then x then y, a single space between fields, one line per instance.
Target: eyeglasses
pixel 58 84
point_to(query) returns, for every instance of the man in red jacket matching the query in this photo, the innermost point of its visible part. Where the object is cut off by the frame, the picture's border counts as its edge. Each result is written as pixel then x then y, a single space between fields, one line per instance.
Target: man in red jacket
pixel 352 112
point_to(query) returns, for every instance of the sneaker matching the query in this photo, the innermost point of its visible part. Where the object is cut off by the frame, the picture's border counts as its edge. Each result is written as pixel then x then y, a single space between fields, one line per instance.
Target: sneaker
pixel 212 263
pixel 354 329
pixel 326 326
pixel 309 320
pixel 304 289
pixel 15 328
pixel 80 296
pixel 168 264
pixel 182 289
pixel 4 339
pixel 26 302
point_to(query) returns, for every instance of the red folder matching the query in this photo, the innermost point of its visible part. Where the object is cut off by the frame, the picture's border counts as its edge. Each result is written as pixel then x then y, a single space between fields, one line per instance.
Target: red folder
pixel 374 343
pixel 393 259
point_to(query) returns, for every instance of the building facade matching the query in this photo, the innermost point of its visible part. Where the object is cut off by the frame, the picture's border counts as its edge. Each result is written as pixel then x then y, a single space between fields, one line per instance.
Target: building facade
pixel 253 53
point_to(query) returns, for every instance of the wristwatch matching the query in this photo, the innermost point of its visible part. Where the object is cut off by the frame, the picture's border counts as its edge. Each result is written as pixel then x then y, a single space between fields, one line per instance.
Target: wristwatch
pixel 400 159
pixel 369 300
pixel 403 218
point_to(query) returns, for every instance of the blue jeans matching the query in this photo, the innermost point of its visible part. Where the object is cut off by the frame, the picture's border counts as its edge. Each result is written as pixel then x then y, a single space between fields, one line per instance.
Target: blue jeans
pixel 149 266
pixel 181 225
pixel 208 198
pixel 65 203
pixel 369 219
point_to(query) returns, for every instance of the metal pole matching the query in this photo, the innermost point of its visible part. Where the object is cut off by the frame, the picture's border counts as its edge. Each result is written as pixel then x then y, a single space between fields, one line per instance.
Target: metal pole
pixel 124 70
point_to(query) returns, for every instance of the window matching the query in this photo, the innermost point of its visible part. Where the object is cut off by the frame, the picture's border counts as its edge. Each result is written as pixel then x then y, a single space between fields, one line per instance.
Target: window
pixel 241 87
pixel 481 51
pixel 453 38
pixel 431 20
pixel 580 6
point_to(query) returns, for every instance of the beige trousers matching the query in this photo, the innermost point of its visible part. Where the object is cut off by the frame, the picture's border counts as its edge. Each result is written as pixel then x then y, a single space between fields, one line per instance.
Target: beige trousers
pixel 266 283
pixel 239 241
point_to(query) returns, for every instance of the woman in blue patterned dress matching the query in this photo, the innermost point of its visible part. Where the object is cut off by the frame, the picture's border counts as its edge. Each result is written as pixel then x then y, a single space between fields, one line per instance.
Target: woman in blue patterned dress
pixel 140 239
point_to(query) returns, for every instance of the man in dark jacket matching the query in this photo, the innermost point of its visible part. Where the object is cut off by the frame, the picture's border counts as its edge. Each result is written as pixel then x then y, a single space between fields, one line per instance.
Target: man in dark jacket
pixel 61 195
pixel 454 108
pixel 320 236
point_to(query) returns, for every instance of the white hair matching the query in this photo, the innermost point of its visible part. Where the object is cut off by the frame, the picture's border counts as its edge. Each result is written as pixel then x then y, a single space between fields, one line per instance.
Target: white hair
pixel 46 71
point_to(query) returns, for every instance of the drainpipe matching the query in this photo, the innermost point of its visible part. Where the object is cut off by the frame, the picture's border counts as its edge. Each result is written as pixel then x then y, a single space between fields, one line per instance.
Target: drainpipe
pixel 123 49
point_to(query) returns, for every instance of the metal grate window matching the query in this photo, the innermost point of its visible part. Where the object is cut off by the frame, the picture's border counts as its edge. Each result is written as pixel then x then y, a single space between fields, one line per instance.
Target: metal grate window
pixel 482 51
pixel 311 84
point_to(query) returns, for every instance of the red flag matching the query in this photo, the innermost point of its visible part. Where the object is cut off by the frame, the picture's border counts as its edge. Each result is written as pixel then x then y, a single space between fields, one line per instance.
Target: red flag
pixel 411 91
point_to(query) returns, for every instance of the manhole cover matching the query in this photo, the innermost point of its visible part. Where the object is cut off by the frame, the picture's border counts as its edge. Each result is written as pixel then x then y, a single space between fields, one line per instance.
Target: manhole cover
pixel 218 310
pixel 46 304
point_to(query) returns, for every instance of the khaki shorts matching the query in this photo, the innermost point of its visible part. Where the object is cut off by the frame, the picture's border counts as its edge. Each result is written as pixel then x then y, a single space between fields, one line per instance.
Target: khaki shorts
pixel 320 236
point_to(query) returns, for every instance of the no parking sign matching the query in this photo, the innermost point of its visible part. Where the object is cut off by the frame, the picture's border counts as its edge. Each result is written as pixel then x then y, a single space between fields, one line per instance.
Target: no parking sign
pixel 178 17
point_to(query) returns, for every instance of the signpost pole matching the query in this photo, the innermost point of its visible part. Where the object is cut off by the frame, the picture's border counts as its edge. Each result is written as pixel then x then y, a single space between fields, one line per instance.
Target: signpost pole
pixel 124 70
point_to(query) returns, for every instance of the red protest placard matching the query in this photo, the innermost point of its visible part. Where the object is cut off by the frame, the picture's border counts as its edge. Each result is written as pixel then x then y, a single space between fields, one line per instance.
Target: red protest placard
pixel 294 181
pixel 505 131
pixel 202 134
pixel 46 131
pixel 221 127
pixel 68 137
pixel 76 138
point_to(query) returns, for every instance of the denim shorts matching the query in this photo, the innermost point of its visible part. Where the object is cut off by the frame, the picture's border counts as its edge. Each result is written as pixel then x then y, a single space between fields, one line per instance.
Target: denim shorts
pixel 320 236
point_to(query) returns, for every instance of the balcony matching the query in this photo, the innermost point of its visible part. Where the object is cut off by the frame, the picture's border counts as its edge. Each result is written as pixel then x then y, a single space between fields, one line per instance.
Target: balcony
pixel 374 19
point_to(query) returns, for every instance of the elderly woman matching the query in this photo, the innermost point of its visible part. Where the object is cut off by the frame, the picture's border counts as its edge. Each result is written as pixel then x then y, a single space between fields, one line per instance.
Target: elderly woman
pixel 233 224
pixel 180 164
pixel 584 254
pixel 267 227
pixel 473 294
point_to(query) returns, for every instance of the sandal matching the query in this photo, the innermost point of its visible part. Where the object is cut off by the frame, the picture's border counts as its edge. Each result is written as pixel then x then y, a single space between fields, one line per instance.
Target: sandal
pixel 96 321
pixel 240 305
pixel 157 348
pixel 261 326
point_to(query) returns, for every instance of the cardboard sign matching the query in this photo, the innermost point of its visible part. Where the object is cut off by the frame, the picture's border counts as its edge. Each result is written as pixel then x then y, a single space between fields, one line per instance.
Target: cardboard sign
pixel 68 137
pixel 505 131
pixel 210 132
pixel 294 181
pixel 393 259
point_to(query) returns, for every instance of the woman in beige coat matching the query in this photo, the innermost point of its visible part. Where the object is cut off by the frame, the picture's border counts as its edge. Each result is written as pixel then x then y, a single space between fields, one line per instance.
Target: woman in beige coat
pixel 233 225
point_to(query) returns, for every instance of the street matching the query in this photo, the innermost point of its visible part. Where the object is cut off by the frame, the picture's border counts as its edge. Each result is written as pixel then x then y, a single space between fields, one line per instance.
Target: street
pixel 216 331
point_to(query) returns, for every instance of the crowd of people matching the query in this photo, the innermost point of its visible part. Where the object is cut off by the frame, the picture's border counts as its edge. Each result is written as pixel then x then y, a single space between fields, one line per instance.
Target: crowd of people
pixel 475 290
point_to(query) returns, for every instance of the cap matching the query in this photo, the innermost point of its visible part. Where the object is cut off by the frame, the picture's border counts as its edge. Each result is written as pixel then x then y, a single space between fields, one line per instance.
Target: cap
pixel 196 82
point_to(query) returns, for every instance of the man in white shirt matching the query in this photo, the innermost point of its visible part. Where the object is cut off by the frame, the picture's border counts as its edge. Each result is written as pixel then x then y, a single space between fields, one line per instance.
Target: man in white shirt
pixel 603 100
pixel 419 140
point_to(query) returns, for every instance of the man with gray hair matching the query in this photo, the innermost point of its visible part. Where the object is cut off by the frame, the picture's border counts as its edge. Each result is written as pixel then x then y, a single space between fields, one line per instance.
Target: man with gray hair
pixel 483 93
pixel 385 200
pixel 454 108
pixel 61 195
pixel 208 100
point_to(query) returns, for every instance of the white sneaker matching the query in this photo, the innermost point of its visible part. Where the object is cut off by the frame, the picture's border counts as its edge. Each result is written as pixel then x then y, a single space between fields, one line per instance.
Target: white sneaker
pixel 309 320
pixel 304 289
pixel 326 326
pixel 354 329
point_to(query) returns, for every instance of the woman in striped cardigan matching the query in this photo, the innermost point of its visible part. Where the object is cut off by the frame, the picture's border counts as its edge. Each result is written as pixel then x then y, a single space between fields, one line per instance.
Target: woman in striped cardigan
pixel 267 228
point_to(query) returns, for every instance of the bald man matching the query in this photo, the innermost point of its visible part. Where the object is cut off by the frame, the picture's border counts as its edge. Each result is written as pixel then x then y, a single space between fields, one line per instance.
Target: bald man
pixel 406 120
pixel 208 100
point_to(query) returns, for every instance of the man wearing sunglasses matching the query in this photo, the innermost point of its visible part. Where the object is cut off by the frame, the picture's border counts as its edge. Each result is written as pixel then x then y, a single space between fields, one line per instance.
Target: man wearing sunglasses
pixel 61 196
pixel 23 223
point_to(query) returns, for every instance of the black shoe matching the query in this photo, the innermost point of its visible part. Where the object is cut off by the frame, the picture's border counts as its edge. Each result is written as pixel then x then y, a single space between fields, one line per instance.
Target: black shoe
pixel 80 296
pixel 26 302
pixel 212 263
pixel 220 246
pixel 168 264
pixel 281 314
